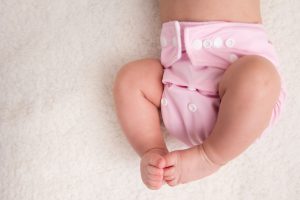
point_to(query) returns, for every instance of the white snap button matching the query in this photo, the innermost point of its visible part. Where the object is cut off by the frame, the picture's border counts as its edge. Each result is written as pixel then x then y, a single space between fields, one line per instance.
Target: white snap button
pixel 233 58
pixel 174 41
pixel 192 89
pixel 197 44
pixel 163 41
pixel 230 42
pixel 192 107
pixel 207 43
pixel 218 42
pixel 164 101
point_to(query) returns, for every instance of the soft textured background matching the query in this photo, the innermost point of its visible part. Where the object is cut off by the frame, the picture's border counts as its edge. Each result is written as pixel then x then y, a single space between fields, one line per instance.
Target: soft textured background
pixel 59 136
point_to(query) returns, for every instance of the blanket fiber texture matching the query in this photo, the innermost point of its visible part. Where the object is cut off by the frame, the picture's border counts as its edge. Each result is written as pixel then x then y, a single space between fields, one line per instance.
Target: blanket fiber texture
pixel 59 134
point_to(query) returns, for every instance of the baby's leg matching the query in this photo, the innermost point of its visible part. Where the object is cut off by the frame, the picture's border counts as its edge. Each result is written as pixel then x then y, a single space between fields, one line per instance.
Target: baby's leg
pixel 137 91
pixel 249 90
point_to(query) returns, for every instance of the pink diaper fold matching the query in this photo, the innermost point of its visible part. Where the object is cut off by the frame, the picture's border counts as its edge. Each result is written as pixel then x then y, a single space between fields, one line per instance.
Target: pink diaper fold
pixel 171 43
pixel 201 39
pixel 195 55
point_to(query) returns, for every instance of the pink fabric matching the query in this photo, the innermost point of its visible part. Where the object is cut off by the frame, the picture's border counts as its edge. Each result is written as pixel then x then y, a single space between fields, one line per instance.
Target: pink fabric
pixel 195 55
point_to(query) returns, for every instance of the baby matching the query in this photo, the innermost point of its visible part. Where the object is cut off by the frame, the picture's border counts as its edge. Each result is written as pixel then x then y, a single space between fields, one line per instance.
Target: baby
pixel 216 86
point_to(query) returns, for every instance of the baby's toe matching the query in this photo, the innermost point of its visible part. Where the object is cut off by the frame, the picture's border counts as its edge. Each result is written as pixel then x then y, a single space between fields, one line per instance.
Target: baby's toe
pixel 154 170
pixel 173 182
pixel 169 173
pixel 154 173
pixel 155 177
pixel 171 176
pixel 154 185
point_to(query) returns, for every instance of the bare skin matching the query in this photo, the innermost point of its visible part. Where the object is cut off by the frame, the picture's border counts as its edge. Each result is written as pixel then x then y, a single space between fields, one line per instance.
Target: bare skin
pixel 210 10
pixel 244 111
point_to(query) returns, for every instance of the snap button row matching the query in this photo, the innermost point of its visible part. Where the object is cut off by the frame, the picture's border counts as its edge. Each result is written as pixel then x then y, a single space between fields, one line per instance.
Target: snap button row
pixel 197 44
pixel 191 107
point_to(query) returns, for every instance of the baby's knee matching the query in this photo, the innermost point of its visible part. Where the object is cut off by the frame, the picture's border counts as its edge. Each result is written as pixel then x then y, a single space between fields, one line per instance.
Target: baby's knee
pixel 138 71
pixel 143 76
pixel 255 75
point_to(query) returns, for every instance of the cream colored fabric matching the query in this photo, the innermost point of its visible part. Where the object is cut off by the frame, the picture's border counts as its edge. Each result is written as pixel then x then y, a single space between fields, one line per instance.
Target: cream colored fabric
pixel 59 136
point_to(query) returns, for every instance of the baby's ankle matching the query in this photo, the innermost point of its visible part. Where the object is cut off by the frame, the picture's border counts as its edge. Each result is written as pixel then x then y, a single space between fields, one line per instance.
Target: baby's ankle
pixel 159 150
pixel 211 155
pixel 213 162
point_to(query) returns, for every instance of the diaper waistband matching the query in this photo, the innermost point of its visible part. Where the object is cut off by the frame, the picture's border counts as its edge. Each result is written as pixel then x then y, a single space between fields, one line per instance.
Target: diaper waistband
pixel 213 25
pixel 197 38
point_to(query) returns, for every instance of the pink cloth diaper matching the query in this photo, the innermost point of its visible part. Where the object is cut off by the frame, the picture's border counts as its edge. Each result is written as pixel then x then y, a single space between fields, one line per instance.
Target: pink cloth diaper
pixel 195 55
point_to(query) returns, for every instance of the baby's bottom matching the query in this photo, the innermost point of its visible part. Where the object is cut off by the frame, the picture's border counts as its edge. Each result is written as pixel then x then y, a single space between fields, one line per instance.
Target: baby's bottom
pixel 249 90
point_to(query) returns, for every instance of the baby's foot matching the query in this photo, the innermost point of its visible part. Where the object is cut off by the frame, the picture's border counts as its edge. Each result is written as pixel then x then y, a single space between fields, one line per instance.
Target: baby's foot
pixel 151 166
pixel 187 165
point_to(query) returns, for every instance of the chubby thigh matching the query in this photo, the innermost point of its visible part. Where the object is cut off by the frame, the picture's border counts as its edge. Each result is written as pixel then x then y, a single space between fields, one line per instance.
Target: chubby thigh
pixel 256 75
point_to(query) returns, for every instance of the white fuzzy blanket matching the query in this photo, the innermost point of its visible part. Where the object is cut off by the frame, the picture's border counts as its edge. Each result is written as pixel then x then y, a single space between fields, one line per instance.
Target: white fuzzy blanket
pixel 59 135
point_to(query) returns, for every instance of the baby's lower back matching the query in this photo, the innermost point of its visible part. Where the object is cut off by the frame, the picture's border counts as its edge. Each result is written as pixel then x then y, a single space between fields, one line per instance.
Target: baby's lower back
pixel 247 11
